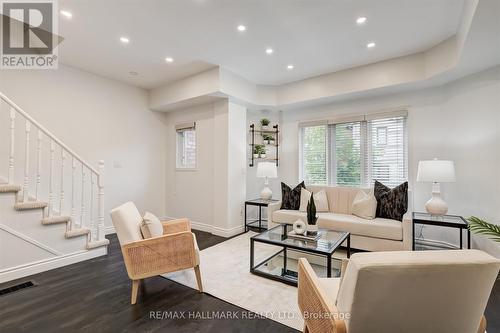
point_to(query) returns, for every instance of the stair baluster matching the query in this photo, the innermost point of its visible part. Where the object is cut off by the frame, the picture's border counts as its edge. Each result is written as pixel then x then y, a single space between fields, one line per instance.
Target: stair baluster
pixel 38 164
pixel 61 202
pixel 91 210
pixel 12 145
pixel 100 184
pixel 26 162
pixel 82 214
pixel 73 207
pixel 51 178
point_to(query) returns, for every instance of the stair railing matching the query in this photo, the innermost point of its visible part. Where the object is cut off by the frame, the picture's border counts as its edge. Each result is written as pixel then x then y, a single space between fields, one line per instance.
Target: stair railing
pixel 94 176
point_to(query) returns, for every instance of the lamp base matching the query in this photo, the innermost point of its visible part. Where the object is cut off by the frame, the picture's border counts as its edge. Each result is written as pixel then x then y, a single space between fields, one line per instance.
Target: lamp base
pixel 436 205
pixel 266 193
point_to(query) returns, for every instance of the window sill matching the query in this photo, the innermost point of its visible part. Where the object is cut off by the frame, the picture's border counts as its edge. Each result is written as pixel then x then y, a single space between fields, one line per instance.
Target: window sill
pixel 186 169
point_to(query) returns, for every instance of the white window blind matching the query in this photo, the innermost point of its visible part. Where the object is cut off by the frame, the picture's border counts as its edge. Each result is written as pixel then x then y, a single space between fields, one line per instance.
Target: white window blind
pixel 346 152
pixel 186 146
pixel 386 155
pixel 357 152
pixel 314 154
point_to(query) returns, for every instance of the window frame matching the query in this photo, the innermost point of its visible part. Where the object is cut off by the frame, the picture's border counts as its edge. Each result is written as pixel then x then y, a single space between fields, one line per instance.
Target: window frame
pixel 366 176
pixel 179 131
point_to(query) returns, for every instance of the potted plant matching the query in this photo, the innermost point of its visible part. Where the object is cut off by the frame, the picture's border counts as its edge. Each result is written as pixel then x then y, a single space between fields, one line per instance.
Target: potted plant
pixel 264 123
pixel 312 228
pixel 262 151
pixel 479 226
pixel 256 151
pixel 268 138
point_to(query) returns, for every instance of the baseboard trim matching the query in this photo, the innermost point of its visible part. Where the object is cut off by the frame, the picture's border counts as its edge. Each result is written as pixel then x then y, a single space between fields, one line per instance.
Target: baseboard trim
pixel 109 230
pixel 218 231
pixel 36 267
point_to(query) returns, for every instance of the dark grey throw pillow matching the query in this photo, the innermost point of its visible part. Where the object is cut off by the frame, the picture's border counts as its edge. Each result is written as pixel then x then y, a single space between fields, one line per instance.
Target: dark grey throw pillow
pixel 290 199
pixel 391 203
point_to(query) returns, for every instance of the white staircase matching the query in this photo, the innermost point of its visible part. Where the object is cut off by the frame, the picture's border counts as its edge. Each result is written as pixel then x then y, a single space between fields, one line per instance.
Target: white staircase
pixel 40 173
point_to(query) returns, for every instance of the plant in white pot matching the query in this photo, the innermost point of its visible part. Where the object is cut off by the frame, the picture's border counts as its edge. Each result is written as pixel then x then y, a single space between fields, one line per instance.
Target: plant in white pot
pixel 264 124
pixel 262 151
pixel 268 139
pixel 312 228
pixel 256 151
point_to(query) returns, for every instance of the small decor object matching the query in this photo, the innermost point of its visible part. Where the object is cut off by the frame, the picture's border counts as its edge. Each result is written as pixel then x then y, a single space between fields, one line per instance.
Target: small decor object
pixel 436 171
pixel 266 170
pixel 299 227
pixel 256 151
pixel 264 123
pixel 320 200
pixel 391 203
pixel 311 216
pixel 481 227
pixel 290 199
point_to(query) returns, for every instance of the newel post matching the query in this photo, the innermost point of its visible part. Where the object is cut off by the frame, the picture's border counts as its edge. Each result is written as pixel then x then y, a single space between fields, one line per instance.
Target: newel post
pixel 100 184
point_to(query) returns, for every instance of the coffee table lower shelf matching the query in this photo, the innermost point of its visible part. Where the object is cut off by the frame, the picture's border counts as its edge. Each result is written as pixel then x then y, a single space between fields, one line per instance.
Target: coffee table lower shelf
pixel 280 270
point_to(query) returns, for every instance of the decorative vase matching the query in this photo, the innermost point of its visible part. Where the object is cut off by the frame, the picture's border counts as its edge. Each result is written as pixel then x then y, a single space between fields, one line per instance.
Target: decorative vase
pixel 299 227
pixel 265 127
pixel 262 155
pixel 255 155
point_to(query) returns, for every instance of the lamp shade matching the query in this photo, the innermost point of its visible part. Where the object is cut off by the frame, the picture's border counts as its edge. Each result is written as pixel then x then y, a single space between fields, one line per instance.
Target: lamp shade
pixel 438 171
pixel 267 169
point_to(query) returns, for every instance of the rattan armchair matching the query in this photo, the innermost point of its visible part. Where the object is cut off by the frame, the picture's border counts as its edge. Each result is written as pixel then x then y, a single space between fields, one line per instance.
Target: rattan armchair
pixel 174 251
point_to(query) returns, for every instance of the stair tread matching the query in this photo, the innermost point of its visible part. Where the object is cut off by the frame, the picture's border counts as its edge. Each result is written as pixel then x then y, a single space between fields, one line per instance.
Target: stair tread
pixel 56 219
pixel 30 205
pixel 9 188
pixel 77 232
pixel 98 243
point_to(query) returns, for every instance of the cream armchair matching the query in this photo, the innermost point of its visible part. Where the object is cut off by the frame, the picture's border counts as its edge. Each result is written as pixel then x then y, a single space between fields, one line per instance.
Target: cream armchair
pixel 175 250
pixel 393 292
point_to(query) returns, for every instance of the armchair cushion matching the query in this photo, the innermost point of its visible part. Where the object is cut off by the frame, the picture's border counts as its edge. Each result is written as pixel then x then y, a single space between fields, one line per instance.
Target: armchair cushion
pixel 151 226
pixel 127 221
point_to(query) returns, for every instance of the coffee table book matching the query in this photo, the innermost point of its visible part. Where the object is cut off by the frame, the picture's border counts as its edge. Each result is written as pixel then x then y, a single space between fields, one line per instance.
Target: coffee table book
pixel 309 236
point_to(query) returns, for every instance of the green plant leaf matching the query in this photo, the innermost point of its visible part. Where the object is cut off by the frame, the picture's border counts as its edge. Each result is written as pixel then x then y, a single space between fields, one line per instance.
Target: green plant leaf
pixel 481 227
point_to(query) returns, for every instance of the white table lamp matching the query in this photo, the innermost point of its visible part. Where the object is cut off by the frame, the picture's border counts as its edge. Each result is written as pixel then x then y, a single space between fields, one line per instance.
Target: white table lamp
pixel 266 170
pixel 436 171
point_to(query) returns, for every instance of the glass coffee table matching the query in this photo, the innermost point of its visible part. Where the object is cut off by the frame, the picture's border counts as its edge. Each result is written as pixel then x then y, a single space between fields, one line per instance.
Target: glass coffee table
pixel 277 268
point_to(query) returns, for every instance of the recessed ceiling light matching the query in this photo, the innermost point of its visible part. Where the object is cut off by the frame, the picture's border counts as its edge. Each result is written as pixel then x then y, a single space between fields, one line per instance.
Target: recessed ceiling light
pixel 66 14
pixel 124 40
pixel 361 20
pixel 370 45
pixel 242 28
pixel 269 50
pixel 289 67
pixel 169 59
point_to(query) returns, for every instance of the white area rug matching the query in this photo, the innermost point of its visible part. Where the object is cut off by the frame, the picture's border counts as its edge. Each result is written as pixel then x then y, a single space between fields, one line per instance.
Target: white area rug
pixel 226 274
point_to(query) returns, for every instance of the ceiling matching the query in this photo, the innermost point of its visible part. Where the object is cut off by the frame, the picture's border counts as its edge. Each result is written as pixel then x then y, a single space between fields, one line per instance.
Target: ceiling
pixel 316 36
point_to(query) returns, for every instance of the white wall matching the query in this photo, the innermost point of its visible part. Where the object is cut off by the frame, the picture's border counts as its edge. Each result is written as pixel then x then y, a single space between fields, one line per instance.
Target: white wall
pixel 459 121
pixel 212 194
pixel 99 119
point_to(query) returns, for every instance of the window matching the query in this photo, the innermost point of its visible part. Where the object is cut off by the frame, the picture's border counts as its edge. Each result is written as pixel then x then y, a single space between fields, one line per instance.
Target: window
pixel 186 146
pixel 314 154
pixel 355 153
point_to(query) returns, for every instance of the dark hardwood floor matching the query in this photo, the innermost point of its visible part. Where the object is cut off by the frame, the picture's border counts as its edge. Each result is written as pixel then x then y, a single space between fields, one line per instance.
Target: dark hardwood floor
pixel 94 296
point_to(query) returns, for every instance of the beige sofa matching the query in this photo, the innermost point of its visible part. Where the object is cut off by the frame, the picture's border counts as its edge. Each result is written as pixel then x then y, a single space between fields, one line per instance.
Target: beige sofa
pixel 372 235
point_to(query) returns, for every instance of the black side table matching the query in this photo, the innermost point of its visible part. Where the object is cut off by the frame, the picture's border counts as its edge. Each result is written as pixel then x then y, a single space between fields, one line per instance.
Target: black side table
pixel 450 221
pixel 259 224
